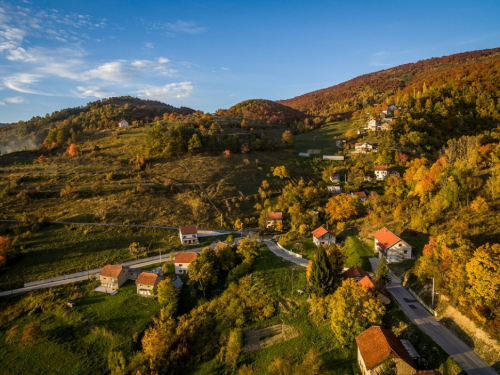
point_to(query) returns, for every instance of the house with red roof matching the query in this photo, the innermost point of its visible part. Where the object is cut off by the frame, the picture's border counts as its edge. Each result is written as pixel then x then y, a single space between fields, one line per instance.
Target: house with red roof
pixel 182 261
pixel 355 272
pixel 381 172
pixel 273 219
pixel 146 284
pixel 189 235
pixel 322 236
pixel 375 289
pixel 391 246
pixel 113 277
pixel 377 345
pixel 360 194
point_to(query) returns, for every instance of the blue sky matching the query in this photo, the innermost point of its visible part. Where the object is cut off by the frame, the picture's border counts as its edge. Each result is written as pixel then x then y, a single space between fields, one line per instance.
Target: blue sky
pixel 208 55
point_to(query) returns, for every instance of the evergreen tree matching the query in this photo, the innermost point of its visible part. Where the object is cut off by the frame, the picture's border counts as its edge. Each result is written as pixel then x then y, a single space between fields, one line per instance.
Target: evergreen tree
pixel 321 279
pixel 382 274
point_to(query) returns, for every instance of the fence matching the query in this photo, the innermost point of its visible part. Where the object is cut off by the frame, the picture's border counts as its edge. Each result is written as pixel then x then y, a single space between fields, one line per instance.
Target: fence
pixel 289 252
pixel 432 311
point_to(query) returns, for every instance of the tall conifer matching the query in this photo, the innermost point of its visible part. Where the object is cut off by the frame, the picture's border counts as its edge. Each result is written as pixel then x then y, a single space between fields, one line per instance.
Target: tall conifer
pixel 321 280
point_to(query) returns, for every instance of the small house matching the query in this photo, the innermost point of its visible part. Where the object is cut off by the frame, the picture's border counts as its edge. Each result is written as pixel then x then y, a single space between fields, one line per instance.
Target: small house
pixel 355 272
pixel 381 172
pixel 359 194
pixel 394 173
pixel 273 219
pixel 322 236
pixel 361 131
pixel 375 289
pixel 372 125
pixel 376 345
pixel 146 284
pixel 177 282
pixel 189 235
pixel 391 246
pixel 182 261
pixel 363 147
pixel 113 277
pixel 123 123
pixel 335 190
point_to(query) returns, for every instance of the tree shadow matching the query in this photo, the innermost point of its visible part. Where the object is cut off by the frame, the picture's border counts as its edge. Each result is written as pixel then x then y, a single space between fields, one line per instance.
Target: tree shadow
pixel 416 239
pixel 458 331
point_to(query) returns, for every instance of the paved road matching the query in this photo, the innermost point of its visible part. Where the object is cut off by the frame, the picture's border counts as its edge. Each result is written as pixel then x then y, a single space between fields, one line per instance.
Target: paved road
pixel 277 251
pixel 469 361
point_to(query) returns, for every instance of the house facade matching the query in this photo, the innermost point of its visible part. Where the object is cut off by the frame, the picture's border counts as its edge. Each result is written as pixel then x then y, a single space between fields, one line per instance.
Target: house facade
pixel 113 277
pixel 372 125
pixel 376 345
pixel 381 172
pixel 146 284
pixel 322 236
pixel 182 261
pixel 123 123
pixel 391 246
pixel 189 235
pixel 273 219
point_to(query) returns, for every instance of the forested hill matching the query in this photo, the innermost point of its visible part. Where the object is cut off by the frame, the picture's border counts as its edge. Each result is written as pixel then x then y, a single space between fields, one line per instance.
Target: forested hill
pixel 265 111
pixel 408 79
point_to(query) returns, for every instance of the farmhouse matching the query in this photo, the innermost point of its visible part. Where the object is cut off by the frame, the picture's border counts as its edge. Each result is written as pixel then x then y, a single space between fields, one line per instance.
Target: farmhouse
pixel 322 236
pixel 392 247
pixel 189 235
pixel 123 123
pixel 381 171
pixel 146 284
pixel 182 261
pixel 355 272
pixel 360 194
pixel 376 345
pixel 273 219
pixel 113 277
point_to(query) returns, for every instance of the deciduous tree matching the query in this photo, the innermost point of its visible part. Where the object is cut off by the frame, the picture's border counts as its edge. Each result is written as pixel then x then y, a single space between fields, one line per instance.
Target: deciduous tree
pixel 168 294
pixel 287 138
pixel 483 271
pixel 281 172
pixel 341 207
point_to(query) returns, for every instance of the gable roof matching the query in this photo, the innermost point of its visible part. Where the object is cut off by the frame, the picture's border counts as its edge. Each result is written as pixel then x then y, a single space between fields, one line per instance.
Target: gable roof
pixel 188 229
pixel 147 278
pixel 380 168
pixel 185 257
pixel 360 194
pixel 320 232
pixel 274 215
pixel 367 283
pixel 111 270
pixel 377 344
pixel 353 272
pixel 177 282
pixel 386 238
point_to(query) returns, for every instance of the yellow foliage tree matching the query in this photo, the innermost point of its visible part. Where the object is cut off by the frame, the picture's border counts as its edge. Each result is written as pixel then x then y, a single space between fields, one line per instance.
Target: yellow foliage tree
pixel 479 205
pixel 483 270
pixel 341 207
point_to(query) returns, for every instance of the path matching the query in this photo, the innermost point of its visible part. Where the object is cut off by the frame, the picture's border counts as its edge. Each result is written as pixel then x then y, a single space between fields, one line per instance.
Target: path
pixel 469 361
pixel 278 252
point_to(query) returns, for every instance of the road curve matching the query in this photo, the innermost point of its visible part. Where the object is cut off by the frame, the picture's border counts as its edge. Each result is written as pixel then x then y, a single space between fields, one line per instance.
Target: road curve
pixel 282 254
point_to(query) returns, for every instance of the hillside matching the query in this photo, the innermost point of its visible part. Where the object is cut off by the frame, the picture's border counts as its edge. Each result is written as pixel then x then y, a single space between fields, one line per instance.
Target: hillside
pixel 265 111
pixel 373 88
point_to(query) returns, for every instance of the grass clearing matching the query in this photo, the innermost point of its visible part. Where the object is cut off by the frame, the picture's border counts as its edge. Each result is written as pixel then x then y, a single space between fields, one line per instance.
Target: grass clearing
pixel 358 253
pixel 323 138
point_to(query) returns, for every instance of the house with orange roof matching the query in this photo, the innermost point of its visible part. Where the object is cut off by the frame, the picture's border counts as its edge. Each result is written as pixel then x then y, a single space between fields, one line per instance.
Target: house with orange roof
pixel 381 172
pixel 322 236
pixel 376 345
pixel 355 272
pixel 182 261
pixel 391 246
pixel 375 289
pixel 113 277
pixel 360 194
pixel 189 235
pixel 273 219
pixel 146 284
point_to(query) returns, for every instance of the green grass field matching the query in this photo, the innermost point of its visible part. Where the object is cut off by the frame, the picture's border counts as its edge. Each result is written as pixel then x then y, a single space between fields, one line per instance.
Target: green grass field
pixel 358 253
pixel 323 138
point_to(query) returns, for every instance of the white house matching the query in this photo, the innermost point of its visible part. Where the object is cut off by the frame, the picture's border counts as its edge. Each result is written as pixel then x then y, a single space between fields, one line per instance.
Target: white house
pixel 381 171
pixel 363 146
pixel 182 261
pixel 372 125
pixel 335 190
pixel 189 235
pixel 392 247
pixel 273 219
pixel 123 123
pixel 322 236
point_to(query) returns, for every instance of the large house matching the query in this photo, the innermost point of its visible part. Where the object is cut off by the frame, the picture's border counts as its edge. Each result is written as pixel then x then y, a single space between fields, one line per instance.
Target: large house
pixel 189 235
pixel 391 246
pixel 381 171
pixel 322 236
pixel 146 284
pixel 273 219
pixel 376 345
pixel 182 261
pixel 113 277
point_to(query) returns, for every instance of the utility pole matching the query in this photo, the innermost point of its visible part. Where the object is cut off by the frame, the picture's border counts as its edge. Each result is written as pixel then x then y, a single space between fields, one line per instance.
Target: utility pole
pixel 432 303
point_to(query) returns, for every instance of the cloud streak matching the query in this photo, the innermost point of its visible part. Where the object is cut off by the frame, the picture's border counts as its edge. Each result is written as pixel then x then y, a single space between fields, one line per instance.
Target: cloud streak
pixel 169 91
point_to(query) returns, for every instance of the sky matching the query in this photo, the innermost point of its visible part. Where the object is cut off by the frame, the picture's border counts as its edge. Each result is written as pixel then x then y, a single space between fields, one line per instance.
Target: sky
pixel 207 55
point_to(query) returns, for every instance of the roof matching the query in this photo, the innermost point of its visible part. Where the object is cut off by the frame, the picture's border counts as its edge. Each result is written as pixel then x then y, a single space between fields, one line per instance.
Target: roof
pixel 188 229
pixel 358 144
pixel 147 278
pixel 367 283
pixel 111 271
pixel 380 167
pixel 386 238
pixel 177 282
pixel 360 194
pixel 377 344
pixel 320 232
pixel 274 215
pixel 187 257
pixel 353 272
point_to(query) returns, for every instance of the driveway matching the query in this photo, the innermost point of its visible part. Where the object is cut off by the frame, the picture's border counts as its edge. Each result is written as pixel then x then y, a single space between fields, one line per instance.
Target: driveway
pixel 469 361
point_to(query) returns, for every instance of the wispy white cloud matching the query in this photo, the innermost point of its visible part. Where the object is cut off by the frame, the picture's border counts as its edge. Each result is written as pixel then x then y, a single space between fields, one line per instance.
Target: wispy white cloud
pixel 149 45
pixel 93 91
pixel 15 100
pixel 169 91
pixel 22 83
pixel 179 27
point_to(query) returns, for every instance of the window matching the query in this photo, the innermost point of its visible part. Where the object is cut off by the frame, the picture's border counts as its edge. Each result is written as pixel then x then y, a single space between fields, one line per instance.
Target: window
pixel 406 251
pixel 400 245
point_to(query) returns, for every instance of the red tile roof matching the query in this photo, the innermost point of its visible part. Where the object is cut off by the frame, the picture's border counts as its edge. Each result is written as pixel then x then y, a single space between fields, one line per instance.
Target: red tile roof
pixel 111 271
pixel 147 278
pixel 320 232
pixel 380 167
pixel 188 229
pixel 274 215
pixel 360 194
pixel 386 238
pixel 377 344
pixel 353 272
pixel 367 283
pixel 185 257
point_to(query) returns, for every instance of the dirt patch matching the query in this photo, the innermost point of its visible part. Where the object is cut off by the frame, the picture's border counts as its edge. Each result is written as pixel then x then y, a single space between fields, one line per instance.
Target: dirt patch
pixel 257 339
pixel 466 330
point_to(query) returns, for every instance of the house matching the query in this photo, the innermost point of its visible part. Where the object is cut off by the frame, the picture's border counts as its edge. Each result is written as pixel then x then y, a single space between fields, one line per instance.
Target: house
pixel 355 273
pixel 189 235
pixel 361 131
pixel 322 236
pixel 394 174
pixel 376 345
pixel 372 125
pixel 273 219
pixel 375 289
pixel 113 277
pixel 123 123
pixel 363 146
pixel 381 171
pixel 392 247
pixel 146 284
pixel 177 282
pixel 360 194
pixel 182 261
pixel 335 190
pixel 335 178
